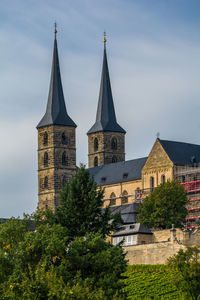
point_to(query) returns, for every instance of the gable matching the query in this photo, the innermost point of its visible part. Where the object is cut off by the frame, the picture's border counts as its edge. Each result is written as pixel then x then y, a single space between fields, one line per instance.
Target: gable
pixel 158 157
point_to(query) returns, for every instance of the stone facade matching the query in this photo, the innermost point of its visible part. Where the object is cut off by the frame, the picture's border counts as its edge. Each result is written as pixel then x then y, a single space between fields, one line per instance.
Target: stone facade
pixel 56 162
pixel 121 189
pixel 105 148
pixel 152 254
pixel 157 165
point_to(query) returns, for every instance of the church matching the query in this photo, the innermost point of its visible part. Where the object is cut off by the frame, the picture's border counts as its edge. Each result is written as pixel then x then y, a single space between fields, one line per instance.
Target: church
pixel 125 182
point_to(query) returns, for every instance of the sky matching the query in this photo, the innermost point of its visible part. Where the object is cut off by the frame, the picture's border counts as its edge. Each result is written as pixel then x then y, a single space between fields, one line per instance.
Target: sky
pixel 153 49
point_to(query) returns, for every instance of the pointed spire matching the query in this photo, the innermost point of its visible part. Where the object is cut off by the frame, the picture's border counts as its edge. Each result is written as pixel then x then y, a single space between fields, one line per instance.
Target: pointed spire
pixel 105 117
pixel 56 113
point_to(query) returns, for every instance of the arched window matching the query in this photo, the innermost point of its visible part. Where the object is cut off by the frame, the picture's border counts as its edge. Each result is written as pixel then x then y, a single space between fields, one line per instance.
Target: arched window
pixel 112 195
pixel 114 143
pixel 96 161
pixel 64 139
pixel 64 180
pixel 152 183
pixel 96 144
pixel 114 159
pixel 45 139
pixel 46 183
pixel 65 160
pixel 46 159
pixel 163 178
pixel 124 197
pixel 112 199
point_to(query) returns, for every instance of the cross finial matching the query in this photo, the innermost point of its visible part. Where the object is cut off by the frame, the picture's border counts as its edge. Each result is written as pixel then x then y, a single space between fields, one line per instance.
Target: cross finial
pixel 55 29
pixel 158 135
pixel 104 40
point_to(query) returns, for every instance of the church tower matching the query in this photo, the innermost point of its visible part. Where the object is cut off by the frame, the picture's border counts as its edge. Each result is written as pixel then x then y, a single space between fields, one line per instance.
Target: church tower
pixel 106 138
pixel 56 142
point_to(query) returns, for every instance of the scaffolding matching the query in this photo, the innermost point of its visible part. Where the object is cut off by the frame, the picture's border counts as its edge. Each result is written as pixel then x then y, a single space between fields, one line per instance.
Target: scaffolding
pixel 189 177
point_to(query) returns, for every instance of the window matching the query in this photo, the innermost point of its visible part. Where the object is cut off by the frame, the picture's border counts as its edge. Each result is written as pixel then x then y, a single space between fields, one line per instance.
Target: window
pixel 124 197
pixel 163 179
pixel 96 161
pixel 112 195
pixel 103 179
pixel 152 183
pixel 46 159
pixel 45 139
pixel 114 143
pixel 112 199
pixel 65 160
pixel 46 184
pixel 127 240
pixel 125 175
pixel 64 180
pixel 64 139
pixel 183 178
pixel 112 202
pixel 114 159
pixel 96 144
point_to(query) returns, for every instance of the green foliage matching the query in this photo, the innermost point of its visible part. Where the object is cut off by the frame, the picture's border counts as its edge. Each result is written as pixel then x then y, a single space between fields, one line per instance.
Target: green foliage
pixel 187 263
pixel 80 210
pixel 150 282
pixel 45 265
pixel 165 206
pixel 66 257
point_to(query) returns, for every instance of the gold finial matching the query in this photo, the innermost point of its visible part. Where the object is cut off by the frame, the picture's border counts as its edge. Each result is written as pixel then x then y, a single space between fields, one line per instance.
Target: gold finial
pixel 104 40
pixel 55 28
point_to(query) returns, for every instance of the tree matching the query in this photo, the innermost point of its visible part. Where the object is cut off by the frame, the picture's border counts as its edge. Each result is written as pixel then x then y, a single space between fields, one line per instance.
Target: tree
pixel 165 206
pixel 44 265
pixel 81 211
pixel 187 263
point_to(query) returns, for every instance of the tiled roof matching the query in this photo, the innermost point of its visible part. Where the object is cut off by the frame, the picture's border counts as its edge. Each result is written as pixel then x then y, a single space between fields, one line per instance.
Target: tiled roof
pixel 137 228
pixel 118 172
pixel 181 153
pixel 128 212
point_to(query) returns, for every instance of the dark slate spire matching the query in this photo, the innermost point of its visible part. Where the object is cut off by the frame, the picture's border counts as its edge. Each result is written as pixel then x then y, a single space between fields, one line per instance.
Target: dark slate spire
pixel 56 113
pixel 105 118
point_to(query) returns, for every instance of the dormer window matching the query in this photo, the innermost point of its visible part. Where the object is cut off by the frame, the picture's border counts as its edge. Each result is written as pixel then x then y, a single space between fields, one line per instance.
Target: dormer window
pixel 125 175
pixel 45 139
pixel 103 179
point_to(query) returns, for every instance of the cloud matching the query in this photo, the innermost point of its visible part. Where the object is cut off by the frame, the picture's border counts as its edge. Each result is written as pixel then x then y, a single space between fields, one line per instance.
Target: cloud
pixel 153 55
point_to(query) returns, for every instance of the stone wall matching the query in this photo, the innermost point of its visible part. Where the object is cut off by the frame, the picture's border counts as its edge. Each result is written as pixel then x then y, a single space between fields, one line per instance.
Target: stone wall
pixel 157 248
pixel 152 254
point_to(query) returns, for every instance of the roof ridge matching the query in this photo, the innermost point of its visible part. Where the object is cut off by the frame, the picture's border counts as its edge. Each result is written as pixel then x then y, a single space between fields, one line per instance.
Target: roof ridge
pixel 178 142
